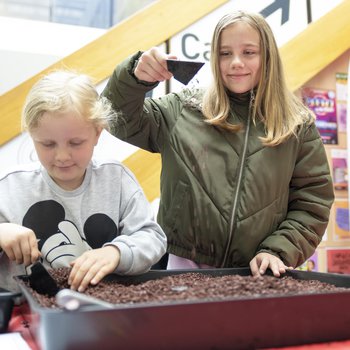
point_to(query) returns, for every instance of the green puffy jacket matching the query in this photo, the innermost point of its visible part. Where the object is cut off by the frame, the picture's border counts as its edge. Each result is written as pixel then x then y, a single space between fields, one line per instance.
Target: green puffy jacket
pixel 224 196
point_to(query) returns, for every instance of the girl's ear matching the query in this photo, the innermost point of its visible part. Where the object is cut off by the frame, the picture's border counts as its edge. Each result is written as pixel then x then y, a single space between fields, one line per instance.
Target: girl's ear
pixel 98 133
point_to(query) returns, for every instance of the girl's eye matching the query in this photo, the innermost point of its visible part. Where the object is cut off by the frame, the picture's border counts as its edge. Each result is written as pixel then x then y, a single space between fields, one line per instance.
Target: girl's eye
pixel 224 53
pixel 76 143
pixel 48 145
pixel 251 52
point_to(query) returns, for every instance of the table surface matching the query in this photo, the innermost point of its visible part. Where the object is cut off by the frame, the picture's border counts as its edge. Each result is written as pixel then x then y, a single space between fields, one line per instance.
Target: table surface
pixel 20 323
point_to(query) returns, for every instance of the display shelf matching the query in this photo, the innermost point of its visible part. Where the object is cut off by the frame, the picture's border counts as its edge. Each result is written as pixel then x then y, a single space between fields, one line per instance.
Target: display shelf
pixel 338 234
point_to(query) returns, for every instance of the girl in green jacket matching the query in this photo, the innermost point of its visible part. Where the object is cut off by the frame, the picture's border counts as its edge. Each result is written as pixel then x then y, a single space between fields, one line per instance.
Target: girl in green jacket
pixel 245 178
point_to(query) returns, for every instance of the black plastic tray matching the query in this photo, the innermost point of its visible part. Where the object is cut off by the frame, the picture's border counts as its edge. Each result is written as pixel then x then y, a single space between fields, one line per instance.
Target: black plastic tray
pixel 249 323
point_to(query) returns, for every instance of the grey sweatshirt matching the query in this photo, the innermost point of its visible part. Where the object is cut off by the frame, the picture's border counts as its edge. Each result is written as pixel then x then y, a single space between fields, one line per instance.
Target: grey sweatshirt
pixel 108 208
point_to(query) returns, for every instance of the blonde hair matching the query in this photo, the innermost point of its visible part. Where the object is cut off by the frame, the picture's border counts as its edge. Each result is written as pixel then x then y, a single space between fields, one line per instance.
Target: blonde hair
pixel 65 91
pixel 279 109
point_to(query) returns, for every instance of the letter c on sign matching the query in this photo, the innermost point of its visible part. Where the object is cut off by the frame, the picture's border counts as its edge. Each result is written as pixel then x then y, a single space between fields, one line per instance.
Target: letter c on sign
pixel 183 46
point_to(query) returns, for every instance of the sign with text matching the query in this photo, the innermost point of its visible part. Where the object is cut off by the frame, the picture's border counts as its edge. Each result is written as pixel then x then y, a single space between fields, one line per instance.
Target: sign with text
pixel 338 260
pixel 287 18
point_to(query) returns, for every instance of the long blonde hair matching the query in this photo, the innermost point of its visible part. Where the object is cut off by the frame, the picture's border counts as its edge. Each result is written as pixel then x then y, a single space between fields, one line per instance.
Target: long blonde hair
pixel 279 109
pixel 65 91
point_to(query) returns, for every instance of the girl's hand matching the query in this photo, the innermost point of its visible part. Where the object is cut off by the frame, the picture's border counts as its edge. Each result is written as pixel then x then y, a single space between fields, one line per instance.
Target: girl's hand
pixel 152 66
pixel 19 243
pixel 262 261
pixel 92 266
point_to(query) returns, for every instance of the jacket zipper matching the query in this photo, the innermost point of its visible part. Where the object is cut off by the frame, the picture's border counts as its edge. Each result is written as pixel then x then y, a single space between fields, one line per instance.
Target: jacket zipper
pixel 233 215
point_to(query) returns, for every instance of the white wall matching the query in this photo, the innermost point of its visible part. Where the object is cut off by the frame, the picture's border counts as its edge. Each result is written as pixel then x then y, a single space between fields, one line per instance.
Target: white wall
pixel 27 47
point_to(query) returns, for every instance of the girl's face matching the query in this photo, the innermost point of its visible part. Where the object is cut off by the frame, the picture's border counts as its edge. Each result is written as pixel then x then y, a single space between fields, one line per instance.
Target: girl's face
pixel 239 57
pixel 64 144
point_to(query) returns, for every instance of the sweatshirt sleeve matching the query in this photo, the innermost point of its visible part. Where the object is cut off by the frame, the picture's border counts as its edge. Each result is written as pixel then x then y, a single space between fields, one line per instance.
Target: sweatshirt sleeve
pixel 311 196
pixel 141 241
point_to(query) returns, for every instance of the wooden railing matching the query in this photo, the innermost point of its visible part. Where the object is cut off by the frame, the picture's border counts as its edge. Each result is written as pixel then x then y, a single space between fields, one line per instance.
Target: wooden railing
pixel 149 27
pixel 317 46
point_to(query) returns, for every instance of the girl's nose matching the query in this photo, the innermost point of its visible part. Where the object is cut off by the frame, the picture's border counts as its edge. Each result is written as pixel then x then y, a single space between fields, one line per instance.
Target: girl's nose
pixel 62 154
pixel 236 61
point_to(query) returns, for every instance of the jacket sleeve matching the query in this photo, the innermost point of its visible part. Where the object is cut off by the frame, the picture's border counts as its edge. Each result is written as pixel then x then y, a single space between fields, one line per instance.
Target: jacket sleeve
pixel 141 240
pixel 311 196
pixel 143 122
